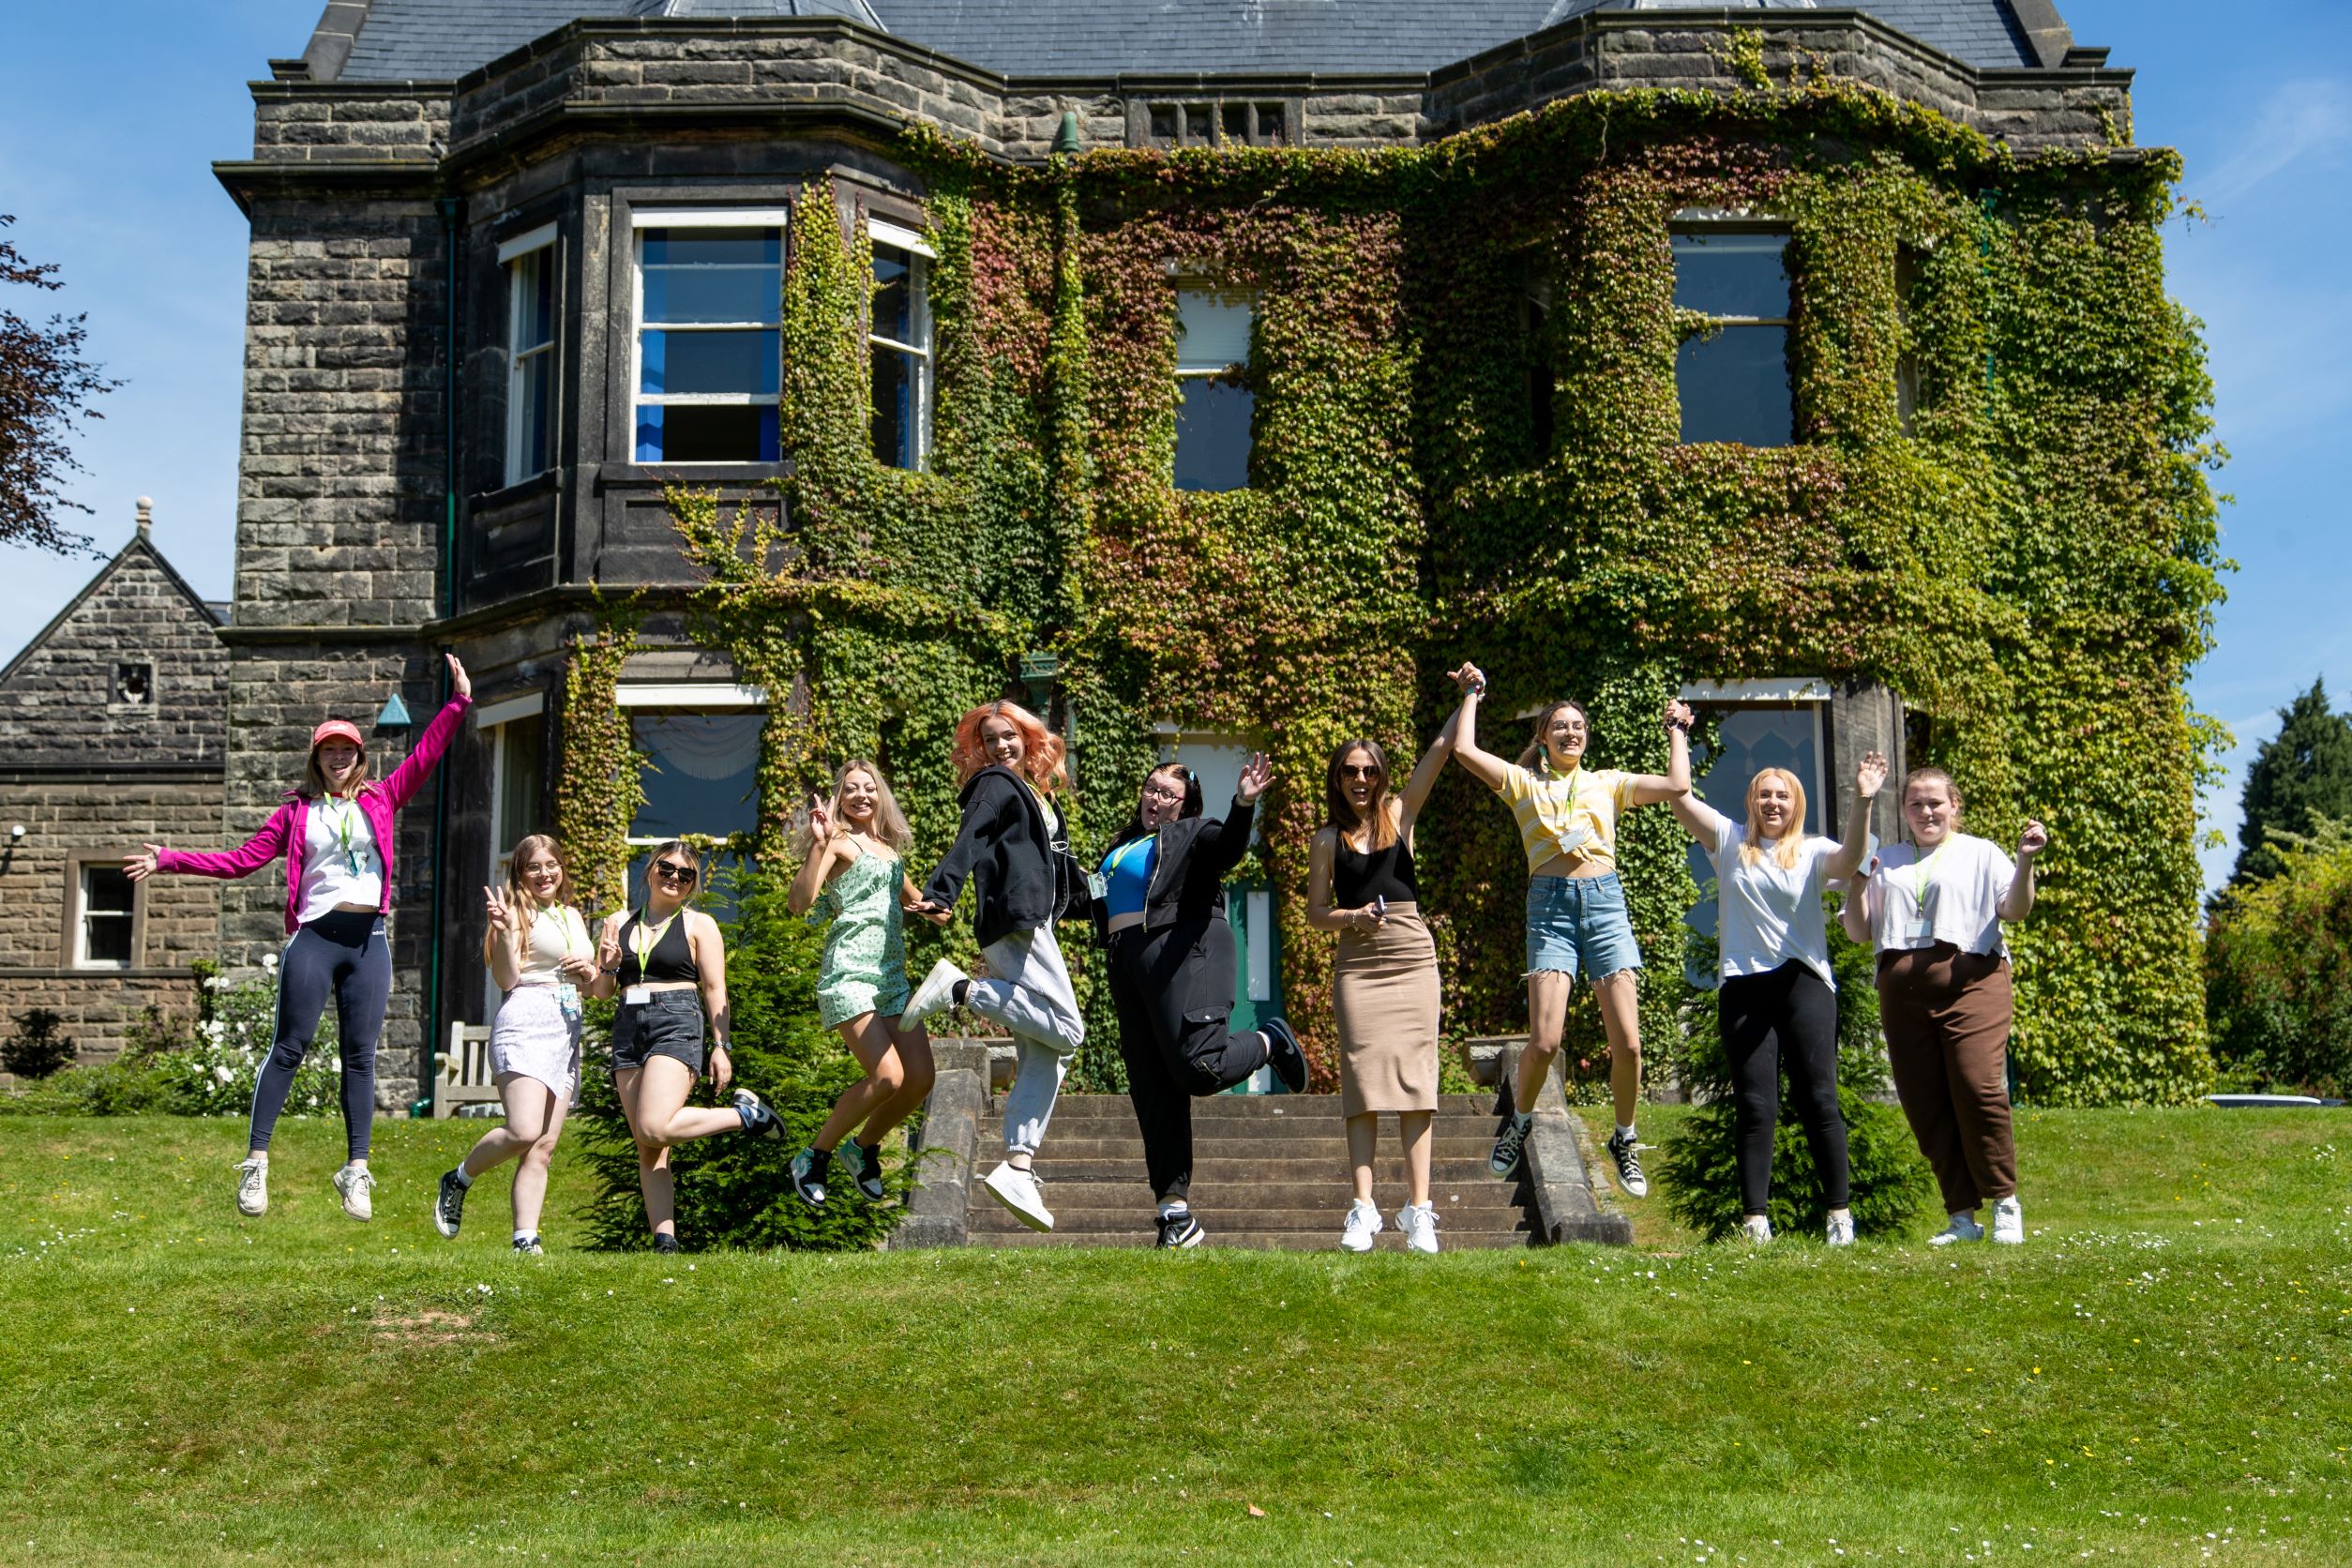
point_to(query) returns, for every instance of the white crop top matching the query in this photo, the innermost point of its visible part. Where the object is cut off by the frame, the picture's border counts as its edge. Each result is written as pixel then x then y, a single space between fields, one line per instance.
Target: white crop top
pixel 340 861
pixel 556 934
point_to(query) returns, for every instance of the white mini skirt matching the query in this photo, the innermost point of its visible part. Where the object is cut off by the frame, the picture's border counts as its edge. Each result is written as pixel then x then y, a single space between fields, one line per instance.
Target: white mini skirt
pixel 532 1036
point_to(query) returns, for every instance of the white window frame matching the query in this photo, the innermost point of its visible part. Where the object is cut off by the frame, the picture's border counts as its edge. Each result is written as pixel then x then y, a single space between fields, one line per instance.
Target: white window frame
pixel 641 218
pixel 82 914
pixel 1722 225
pixel 1210 372
pixel 1810 693
pixel 491 720
pixel 687 697
pixel 511 254
pixel 920 257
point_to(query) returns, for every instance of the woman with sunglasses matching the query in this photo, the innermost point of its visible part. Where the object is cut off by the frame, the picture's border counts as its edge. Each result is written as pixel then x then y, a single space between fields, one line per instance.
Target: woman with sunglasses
pixel 1173 970
pixel 337 834
pixel 669 966
pixel 1360 882
pixel 1014 845
pixel 1576 919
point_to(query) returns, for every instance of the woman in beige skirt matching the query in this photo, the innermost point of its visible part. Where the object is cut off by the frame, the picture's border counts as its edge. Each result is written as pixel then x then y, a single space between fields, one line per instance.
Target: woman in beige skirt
pixel 1385 981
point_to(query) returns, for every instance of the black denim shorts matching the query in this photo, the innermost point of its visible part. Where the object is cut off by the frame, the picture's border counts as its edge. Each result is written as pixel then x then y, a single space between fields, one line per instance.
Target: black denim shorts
pixel 669 1024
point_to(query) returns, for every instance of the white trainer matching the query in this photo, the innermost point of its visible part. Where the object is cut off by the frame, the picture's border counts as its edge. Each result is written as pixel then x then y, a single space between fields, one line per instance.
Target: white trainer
pixel 1364 1223
pixel 354 1183
pixel 1419 1221
pixel 936 994
pixel 2009 1222
pixel 1755 1229
pixel 1841 1230
pixel 1963 1227
pixel 253 1186
pixel 1016 1189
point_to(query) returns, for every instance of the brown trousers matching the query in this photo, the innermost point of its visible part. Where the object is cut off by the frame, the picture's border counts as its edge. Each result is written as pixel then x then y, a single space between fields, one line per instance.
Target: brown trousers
pixel 1947 1015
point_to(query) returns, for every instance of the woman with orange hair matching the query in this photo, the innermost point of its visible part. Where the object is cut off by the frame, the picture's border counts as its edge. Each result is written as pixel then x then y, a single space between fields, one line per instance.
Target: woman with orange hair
pixel 1779 999
pixel 1014 845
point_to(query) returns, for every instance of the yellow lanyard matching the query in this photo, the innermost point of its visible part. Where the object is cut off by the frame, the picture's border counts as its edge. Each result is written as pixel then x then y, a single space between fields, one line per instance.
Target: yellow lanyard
pixel 1575 780
pixel 644 949
pixel 1923 872
pixel 563 924
pixel 339 824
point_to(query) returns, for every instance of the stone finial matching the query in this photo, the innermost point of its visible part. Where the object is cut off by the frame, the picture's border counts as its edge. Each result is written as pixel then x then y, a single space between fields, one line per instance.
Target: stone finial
pixel 146 514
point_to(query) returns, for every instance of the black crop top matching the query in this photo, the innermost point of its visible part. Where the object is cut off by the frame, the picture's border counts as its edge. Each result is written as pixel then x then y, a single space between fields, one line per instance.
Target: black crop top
pixel 670 957
pixel 1358 878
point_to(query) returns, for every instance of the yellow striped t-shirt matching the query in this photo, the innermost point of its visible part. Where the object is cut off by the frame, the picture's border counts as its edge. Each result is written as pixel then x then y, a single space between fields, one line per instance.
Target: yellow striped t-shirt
pixel 1552 807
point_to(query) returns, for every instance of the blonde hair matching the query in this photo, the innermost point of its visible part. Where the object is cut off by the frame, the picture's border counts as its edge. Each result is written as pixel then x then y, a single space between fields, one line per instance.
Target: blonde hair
pixel 890 823
pixel 1538 753
pixel 1792 842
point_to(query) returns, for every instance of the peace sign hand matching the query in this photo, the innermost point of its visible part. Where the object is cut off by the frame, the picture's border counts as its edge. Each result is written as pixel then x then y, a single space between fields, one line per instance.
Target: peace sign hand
pixel 504 918
pixel 1256 775
pixel 1870 775
pixel 820 821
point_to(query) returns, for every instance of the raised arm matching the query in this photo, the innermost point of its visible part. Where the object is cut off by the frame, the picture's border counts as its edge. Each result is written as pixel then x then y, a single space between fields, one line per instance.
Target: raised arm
pixel 1870 777
pixel 1425 773
pixel 1221 845
pixel 2017 902
pixel 810 880
pixel 1484 766
pixel 1650 788
pixel 1854 911
pixel 1701 821
pixel 419 764
pixel 243 861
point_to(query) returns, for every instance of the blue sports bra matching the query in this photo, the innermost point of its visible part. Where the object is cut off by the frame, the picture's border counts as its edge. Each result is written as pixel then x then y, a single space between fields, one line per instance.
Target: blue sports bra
pixel 1128 875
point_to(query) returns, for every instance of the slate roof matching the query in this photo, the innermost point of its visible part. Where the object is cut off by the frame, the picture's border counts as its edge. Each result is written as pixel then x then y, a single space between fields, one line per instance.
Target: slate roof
pixel 441 39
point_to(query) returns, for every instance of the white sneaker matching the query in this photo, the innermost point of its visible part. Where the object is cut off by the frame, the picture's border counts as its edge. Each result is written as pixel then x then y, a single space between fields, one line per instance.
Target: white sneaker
pixel 1963 1227
pixel 1419 1224
pixel 2009 1222
pixel 1840 1231
pixel 1755 1229
pixel 1364 1223
pixel 355 1184
pixel 1014 1188
pixel 253 1186
pixel 936 994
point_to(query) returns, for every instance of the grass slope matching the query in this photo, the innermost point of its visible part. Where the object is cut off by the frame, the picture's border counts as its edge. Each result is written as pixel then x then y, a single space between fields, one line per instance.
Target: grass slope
pixel 2159 1378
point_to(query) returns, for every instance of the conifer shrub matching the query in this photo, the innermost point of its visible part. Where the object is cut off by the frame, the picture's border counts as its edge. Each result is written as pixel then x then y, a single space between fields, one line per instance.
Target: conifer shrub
pixel 734 1190
pixel 38 1046
pixel 1890 1185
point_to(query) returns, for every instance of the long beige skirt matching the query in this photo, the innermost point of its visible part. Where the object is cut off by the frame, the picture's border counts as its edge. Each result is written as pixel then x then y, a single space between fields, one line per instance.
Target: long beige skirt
pixel 1384 995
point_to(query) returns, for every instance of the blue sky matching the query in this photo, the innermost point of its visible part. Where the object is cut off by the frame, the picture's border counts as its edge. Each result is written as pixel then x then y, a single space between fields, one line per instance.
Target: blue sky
pixel 110 116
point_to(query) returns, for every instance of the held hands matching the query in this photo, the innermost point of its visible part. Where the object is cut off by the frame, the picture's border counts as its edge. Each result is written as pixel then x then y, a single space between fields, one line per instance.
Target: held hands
pixel 1678 715
pixel 458 677
pixel 1471 679
pixel 1256 775
pixel 2032 841
pixel 138 867
pixel 1870 775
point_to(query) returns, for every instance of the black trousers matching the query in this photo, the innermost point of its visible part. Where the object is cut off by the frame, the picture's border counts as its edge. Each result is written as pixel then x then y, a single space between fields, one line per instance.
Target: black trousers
pixel 1173 989
pixel 344 955
pixel 1789 1015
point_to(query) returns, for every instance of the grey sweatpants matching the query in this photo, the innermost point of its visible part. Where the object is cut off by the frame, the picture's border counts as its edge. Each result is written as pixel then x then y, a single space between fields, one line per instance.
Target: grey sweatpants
pixel 1028 992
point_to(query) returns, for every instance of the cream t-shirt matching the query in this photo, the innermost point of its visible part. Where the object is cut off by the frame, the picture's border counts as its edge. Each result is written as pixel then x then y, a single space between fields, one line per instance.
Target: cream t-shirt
pixel 1953 895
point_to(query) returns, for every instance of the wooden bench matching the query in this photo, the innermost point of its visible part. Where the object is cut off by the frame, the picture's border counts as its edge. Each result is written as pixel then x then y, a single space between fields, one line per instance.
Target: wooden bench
pixel 462 1073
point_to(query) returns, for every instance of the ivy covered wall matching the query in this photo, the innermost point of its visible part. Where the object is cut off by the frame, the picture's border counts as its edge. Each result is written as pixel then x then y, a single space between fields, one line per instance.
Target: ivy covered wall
pixel 2032 565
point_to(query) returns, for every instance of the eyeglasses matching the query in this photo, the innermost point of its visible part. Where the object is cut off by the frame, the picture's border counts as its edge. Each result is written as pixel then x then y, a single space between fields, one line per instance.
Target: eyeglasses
pixel 683 875
pixel 1350 770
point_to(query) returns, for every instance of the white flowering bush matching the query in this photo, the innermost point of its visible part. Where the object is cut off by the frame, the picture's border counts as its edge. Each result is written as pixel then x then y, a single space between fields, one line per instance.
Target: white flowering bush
pixel 213 1073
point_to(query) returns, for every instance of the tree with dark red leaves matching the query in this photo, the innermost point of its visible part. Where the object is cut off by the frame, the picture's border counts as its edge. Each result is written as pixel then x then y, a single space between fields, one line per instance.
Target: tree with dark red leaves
pixel 45 384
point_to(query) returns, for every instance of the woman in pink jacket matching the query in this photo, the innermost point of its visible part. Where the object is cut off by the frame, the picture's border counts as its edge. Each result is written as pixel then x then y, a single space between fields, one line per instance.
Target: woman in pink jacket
pixel 336 833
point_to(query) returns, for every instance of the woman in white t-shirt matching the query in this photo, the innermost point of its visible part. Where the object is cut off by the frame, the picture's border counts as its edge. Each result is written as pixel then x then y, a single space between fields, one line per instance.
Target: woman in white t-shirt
pixel 1934 909
pixel 1779 999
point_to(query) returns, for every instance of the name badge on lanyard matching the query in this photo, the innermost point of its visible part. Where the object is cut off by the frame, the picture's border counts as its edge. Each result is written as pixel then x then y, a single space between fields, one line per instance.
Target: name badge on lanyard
pixel 568 997
pixel 1921 927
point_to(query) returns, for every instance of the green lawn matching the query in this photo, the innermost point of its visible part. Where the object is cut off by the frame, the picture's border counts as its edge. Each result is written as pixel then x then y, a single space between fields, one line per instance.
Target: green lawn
pixel 2160 1377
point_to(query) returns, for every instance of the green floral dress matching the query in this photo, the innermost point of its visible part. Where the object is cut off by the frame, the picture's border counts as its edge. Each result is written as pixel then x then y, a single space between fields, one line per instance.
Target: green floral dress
pixel 865 964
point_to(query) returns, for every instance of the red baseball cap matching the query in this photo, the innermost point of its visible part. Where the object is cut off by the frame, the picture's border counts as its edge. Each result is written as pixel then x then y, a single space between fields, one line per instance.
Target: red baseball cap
pixel 337 729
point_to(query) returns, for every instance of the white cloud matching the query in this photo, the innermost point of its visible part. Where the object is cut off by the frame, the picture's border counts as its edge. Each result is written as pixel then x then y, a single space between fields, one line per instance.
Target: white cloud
pixel 2299 118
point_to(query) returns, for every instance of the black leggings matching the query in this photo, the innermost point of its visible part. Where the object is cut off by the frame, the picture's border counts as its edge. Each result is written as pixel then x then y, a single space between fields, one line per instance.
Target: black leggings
pixel 1174 992
pixel 1788 1016
pixel 342 953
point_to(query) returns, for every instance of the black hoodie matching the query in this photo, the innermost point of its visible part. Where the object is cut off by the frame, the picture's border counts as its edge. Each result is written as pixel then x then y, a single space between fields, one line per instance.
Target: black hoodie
pixel 1022 876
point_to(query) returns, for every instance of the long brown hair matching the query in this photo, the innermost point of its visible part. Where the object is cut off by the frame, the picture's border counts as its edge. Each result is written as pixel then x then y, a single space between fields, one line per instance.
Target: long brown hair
pixel 527 849
pixel 1343 812
pixel 314 785
pixel 1041 749
pixel 1536 750
pixel 1792 842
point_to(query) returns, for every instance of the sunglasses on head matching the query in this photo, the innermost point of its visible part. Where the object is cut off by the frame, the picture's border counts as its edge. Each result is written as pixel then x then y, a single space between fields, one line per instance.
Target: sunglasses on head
pixel 683 875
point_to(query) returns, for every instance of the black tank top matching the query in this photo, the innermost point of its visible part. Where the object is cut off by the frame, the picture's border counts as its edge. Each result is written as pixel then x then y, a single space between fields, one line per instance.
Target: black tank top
pixel 1359 878
pixel 670 957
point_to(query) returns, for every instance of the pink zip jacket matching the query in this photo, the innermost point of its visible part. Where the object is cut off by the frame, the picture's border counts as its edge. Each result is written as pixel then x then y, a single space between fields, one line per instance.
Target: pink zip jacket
pixel 284 833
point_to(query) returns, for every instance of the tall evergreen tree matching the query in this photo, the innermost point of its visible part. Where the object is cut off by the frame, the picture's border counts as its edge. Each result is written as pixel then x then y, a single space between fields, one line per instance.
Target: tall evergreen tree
pixel 2300 776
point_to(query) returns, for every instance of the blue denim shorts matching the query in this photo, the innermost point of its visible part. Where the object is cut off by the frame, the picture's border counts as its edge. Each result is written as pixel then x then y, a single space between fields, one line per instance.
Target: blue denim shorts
pixel 1579 923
